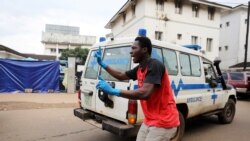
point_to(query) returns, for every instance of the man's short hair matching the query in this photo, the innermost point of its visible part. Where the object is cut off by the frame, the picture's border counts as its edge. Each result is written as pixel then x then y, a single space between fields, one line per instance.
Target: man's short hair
pixel 145 42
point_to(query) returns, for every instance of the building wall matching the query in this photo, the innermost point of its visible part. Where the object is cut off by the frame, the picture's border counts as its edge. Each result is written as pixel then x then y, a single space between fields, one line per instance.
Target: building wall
pixel 242 36
pixel 8 55
pixel 132 24
pixel 171 24
pixel 62 29
pixel 55 42
pixel 233 36
pixel 67 38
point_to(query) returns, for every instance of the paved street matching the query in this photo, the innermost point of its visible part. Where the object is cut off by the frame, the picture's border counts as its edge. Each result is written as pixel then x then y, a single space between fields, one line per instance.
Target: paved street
pixel 24 101
pixel 39 98
pixel 59 124
pixel 209 129
pixel 48 125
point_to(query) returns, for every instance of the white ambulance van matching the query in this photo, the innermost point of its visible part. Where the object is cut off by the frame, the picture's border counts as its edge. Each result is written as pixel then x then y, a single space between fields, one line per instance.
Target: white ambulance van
pixel 196 81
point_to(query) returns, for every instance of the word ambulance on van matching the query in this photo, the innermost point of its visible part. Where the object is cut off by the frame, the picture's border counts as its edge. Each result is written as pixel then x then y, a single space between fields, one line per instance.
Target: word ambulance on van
pixel 197 84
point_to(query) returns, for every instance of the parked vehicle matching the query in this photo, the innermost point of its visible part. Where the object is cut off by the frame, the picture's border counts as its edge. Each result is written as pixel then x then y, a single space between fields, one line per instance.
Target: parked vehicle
pixel 195 95
pixel 240 81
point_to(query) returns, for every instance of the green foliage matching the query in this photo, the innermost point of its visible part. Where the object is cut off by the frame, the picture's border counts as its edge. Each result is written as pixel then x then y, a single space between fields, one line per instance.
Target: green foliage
pixel 80 53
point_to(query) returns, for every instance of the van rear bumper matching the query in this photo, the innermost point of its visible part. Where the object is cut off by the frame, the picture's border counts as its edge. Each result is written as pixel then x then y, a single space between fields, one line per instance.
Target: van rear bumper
pixel 108 124
pixel 241 90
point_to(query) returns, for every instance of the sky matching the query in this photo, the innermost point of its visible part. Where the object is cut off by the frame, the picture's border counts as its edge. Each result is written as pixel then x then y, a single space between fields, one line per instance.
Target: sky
pixel 23 21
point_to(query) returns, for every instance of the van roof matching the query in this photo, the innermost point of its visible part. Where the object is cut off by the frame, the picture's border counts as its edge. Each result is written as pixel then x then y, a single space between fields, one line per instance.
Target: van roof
pixel 129 41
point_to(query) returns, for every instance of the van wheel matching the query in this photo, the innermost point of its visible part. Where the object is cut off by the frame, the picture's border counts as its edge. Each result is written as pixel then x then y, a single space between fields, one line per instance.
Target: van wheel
pixel 227 115
pixel 180 129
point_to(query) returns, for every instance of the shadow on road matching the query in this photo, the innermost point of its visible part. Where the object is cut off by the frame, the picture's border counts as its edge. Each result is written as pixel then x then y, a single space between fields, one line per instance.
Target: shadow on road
pixel 201 124
pixel 244 98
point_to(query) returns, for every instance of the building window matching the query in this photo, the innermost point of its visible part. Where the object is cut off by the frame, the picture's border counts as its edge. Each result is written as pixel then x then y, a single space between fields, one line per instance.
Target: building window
pixel 124 17
pixel 160 5
pixel 158 35
pixel 219 48
pixel 179 36
pixel 209 44
pixel 178 6
pixel 226 48
pixel 211 12
pixel 227 24
pixel 133 7
pixel 52 50
pixel 194 40
pixel 61 50
pixel 195 9
pixel 220 25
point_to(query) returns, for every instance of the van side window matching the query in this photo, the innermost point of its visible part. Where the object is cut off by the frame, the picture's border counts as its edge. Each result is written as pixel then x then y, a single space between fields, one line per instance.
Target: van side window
pixel 190 65
pixel 195 65
pixel 170 61
pixel 117 58
pixel 92 67
pixel 156 54
pixel 209 72
pixel 185 64
pixel 224 75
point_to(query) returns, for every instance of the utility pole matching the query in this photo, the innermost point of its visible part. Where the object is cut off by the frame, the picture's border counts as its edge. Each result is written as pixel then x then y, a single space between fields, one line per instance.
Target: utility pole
pixel 246 45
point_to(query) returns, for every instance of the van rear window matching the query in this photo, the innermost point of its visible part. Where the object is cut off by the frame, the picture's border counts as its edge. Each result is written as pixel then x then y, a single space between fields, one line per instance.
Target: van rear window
pixel 92 67
pixel 237 76
pixel 117 58
pixel 224 75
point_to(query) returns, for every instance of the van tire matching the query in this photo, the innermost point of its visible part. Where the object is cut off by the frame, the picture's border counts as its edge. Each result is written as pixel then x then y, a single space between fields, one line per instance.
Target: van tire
pixel 227 115
pixel 180 129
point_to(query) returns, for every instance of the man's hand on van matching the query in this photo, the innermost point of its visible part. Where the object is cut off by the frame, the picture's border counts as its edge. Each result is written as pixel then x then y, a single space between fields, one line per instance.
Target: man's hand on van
pixel 106 88
pixel 98 55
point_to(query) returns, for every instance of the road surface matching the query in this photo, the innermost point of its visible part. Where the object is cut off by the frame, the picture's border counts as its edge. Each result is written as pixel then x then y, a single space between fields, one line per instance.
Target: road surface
pixel 57 123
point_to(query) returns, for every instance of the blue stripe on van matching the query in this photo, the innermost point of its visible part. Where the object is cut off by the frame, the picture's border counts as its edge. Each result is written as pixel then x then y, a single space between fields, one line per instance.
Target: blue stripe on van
pixel 182 86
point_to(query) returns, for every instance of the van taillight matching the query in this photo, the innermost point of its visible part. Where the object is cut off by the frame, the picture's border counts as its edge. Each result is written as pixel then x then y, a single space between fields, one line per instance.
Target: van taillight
pixel 79 98
pixel 132 111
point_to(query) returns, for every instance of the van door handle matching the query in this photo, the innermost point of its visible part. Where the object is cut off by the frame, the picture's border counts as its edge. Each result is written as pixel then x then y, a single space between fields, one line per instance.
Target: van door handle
pixel 87 92
pixel 208 90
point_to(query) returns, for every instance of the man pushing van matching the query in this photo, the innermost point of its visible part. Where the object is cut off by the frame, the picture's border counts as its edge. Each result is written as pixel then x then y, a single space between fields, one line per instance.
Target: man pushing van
pixel 154 92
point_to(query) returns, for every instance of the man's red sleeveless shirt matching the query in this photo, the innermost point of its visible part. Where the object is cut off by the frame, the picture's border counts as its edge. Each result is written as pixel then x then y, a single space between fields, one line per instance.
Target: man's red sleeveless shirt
pixel 160 108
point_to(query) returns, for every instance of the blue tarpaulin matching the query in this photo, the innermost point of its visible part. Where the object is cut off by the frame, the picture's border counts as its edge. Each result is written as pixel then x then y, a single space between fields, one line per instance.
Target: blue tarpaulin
pixel 20 75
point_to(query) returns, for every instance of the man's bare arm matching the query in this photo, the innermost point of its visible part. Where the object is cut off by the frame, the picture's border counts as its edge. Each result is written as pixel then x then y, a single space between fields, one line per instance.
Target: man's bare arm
pixel 141 93
pixel 117 74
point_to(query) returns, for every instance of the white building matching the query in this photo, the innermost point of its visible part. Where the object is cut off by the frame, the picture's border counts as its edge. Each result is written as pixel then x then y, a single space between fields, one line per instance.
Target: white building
pixel 57 38
pixel 233 36
pixel 178 21
pixel 8 53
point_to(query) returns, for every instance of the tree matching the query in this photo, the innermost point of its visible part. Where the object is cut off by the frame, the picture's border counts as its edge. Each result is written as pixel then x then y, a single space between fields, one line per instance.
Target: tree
pixel 77 52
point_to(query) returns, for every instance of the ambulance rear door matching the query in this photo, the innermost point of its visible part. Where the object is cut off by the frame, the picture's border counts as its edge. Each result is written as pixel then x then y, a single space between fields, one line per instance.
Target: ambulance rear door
pixel 117 57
